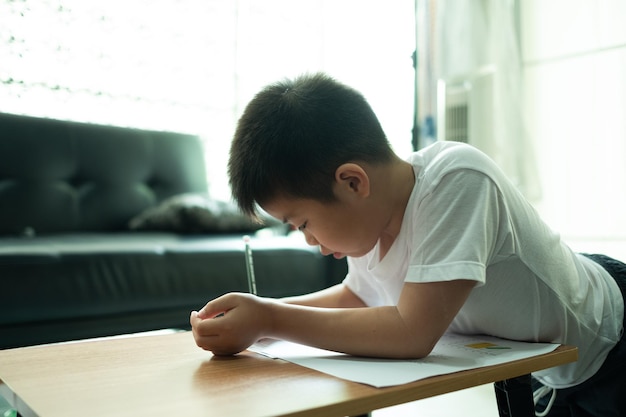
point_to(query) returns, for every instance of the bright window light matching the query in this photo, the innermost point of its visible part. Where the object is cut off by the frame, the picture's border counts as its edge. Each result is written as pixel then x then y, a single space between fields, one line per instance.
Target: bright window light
pixel 192 65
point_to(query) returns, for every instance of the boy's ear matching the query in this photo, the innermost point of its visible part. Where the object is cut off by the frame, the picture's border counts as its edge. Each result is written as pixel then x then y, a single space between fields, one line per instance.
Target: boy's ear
pixel 352 178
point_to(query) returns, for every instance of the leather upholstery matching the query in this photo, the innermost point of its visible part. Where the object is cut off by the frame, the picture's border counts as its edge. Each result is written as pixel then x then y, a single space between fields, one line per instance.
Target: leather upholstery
pixel 64 176
pixel 71 286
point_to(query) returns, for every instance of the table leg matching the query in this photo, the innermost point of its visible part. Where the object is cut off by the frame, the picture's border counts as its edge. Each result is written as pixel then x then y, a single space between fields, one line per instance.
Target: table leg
pixel 515 397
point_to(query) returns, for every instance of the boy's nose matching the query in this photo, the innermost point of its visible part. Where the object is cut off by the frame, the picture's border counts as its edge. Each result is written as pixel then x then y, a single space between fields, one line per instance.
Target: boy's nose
pixel 325 251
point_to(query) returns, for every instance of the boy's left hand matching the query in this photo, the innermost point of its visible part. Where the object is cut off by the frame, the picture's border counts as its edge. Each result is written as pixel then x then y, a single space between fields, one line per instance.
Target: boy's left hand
pixel 230 324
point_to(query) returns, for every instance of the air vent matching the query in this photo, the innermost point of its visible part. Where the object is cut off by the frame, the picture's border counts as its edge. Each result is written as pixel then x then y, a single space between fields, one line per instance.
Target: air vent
pixel 465 108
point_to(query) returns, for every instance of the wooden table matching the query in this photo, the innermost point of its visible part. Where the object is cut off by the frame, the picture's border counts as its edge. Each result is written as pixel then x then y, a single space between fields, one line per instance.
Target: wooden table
pixel 167 375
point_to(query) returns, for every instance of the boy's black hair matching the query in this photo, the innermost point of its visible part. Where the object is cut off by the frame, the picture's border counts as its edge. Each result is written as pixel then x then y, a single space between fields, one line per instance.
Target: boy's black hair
pixel 293 136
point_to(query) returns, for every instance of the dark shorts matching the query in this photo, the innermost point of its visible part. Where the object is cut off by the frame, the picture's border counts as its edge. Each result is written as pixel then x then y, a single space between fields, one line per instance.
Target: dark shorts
pixel 614 267
pixel 604 394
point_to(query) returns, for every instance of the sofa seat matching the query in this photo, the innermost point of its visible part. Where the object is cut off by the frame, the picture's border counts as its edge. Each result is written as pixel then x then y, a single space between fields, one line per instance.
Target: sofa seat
pixel 96 284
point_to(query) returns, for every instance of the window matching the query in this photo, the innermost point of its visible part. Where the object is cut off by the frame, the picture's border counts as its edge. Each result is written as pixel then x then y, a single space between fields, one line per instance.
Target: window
pixel 192 65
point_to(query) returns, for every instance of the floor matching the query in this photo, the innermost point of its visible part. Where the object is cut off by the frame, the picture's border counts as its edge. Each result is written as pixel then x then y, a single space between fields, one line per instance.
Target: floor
pixel 473 402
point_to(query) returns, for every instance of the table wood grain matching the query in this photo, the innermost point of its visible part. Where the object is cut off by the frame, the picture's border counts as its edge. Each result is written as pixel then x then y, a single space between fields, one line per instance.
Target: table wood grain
pixel 167 375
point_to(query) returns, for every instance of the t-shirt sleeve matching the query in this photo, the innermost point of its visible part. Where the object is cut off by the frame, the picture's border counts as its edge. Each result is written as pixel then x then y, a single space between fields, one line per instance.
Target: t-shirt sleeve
pixel 455 228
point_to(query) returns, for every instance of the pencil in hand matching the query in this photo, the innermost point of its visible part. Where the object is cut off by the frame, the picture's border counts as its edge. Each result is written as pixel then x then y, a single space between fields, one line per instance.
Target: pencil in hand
pixel 249 265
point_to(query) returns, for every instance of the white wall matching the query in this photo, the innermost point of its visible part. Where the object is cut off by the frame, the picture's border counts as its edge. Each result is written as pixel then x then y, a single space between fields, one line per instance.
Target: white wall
pixel 574 58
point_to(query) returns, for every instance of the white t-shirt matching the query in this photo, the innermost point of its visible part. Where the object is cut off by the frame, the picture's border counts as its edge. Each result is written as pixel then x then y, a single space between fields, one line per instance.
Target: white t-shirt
pixel 466 220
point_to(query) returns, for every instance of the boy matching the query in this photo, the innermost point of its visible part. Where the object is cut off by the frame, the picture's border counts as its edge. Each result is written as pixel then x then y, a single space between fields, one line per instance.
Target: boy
pixel 439 242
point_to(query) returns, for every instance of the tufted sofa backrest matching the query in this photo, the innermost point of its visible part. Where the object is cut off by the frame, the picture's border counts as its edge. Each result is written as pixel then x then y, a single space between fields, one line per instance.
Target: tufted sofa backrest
pixel 60 176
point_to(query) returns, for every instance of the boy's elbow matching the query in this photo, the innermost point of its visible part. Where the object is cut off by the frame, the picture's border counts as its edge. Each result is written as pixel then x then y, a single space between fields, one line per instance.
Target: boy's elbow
pixel 414 349
pixel 421 352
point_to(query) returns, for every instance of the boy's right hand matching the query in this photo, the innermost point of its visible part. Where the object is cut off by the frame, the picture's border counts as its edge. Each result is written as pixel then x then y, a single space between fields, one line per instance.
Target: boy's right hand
pixel 231 323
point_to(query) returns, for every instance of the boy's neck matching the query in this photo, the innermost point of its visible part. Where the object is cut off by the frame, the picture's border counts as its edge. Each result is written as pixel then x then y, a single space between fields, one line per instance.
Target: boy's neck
pixel 395 182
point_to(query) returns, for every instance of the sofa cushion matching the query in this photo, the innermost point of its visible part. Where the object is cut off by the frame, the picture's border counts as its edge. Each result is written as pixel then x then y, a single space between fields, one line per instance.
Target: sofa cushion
pixel 139 281
pixel 60 176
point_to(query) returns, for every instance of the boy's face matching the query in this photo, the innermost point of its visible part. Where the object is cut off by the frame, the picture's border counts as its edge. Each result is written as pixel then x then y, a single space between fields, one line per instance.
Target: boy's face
pixel 341 228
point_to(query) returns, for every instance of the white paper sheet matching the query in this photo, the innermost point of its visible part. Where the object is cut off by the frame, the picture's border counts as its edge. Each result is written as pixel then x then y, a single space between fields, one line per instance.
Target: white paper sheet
pixel 453 353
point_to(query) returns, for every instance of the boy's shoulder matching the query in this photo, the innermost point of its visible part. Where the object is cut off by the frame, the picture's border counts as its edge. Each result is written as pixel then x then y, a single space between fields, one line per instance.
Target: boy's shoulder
pixel 436 161
pixel 447 155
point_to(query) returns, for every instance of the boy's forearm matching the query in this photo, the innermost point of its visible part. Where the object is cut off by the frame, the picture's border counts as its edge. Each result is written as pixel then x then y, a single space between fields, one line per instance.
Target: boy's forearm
pixel 376 332
pixel 232 322
pixel 337 296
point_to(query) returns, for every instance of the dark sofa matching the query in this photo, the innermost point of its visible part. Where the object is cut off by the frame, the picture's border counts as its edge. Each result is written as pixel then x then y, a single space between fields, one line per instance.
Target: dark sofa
pixel 70 265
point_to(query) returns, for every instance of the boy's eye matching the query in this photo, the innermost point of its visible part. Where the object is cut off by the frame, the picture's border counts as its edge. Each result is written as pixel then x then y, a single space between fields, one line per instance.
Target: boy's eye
pixel 302 226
